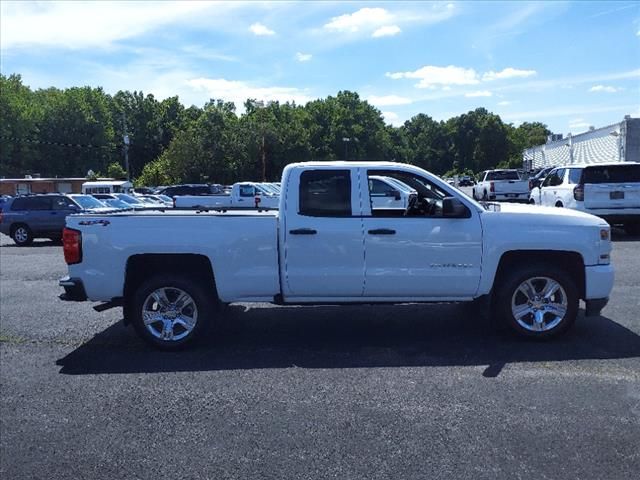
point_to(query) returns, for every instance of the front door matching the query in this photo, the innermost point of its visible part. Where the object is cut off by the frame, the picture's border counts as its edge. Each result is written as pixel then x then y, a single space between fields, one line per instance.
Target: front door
pixel 322 236
pixel 421 254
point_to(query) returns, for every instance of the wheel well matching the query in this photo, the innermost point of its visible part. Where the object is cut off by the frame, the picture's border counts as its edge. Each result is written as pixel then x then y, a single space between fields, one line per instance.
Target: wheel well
pixel 571 262
pixel 559 203
pixel 141 267
pixel 16 225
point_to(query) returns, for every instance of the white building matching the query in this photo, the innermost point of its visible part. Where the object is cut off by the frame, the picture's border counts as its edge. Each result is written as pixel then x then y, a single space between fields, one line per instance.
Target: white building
pixel 619 142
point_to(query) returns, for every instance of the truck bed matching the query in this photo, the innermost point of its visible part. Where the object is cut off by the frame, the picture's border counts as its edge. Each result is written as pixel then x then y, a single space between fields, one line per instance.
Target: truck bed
pixel 241 245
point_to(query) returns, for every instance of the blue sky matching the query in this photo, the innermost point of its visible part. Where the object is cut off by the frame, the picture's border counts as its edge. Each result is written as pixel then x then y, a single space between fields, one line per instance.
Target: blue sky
pixel 567 64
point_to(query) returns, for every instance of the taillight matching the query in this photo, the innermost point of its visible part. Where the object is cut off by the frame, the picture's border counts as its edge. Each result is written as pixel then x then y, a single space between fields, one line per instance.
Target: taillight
pixel 72 245
pixel 530 185
pixel 257 200
pixel 578 192
pixel 492 187
pixel 0 215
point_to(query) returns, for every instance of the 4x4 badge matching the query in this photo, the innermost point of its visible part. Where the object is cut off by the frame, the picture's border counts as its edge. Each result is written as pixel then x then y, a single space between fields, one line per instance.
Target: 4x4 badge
pixel 104 223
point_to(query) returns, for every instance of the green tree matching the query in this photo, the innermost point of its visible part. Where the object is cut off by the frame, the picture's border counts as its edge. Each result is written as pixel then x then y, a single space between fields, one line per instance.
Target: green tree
pixel 115 170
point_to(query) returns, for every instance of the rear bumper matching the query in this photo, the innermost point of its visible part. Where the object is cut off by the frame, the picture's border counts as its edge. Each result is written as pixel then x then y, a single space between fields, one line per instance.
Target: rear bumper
pixel 73 289
pixel 521 197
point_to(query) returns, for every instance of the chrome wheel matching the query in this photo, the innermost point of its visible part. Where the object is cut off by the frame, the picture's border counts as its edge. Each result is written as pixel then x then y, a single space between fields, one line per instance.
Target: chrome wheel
pixel 539 304
pixel 21 235
pixel 169 314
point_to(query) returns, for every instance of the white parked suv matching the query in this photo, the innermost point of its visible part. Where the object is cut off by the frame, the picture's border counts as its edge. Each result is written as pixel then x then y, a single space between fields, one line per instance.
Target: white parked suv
pixel 609 190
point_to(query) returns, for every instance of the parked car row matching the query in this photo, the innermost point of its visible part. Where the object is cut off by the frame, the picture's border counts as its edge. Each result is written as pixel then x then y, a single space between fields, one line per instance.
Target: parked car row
pixel 608 190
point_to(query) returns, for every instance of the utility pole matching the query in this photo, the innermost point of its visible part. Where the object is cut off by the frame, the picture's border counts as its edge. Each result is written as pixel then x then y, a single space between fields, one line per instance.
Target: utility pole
pixel 125 139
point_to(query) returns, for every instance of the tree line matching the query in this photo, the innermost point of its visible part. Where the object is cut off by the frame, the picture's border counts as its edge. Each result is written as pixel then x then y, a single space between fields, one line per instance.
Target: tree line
pixel 67 132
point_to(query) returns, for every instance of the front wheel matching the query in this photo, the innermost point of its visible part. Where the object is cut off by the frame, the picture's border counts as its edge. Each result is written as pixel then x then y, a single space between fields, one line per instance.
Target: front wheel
pixel 540 301
pixel 171 311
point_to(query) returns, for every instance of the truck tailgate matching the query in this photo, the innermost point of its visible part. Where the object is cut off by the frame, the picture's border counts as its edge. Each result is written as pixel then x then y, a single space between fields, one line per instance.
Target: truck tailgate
pixel 612 195
pixel 511 186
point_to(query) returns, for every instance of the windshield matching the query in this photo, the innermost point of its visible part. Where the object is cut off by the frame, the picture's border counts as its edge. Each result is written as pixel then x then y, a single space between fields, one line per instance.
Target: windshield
pixel 129 199
pixel 87 201
pixel 115 203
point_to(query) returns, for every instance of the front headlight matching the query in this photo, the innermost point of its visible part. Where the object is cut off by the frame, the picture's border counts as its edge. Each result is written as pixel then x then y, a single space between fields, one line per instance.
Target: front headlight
pixel 605 233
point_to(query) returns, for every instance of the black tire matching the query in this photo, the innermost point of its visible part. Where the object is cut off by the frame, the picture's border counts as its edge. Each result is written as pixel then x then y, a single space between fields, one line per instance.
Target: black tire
pixel 507 292
pixel 532 201
pixel 632 229
pixel 473 194
pixel 485 197
pixel 22 235
pixel 559 205
pixel 204 308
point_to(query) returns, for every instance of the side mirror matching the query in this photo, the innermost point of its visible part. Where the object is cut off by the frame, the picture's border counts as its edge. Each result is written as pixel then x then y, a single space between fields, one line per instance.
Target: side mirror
pixel 454 208
pixel 396 194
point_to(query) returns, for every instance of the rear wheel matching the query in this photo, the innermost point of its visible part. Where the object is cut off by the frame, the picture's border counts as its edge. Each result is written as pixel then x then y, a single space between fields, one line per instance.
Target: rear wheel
pixel 171 311
pixel 540 301
pixel 485 197
pixel 22 235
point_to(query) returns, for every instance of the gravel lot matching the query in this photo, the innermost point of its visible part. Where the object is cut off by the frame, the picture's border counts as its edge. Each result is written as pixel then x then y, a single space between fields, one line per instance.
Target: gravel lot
pixel 320 392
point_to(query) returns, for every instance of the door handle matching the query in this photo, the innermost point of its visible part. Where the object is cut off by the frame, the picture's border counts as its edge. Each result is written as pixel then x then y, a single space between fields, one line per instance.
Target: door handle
pixel 303 231
pixel 382 231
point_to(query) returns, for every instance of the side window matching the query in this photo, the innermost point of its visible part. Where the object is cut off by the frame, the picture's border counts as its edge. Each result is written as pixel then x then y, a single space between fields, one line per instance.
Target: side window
pixel 574 175
pixel 247 191
pixel 549 179
pixel 560 175
pixel 62 203
pixel 38 203
pixel 379 188
pixel 325 193
pixel 19 204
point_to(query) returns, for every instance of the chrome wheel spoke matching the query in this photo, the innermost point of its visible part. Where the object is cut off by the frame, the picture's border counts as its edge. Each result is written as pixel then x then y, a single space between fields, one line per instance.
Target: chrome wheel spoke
pixel 538 321
pixel 550 289
pixel 521 311
pixel 188 323
pixel 151 317
pixel 167 330
pixel 528 290
pixel 557 309
pixel 160 296
pixel 182 301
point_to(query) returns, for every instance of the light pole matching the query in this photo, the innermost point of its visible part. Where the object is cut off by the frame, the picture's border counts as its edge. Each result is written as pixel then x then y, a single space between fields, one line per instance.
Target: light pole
pixel 346 141
pixel 125 140
pixel 618 138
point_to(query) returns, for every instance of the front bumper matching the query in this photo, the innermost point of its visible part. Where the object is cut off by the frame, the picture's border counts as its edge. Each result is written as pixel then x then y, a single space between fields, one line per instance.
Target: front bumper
pixel 73 289
pixel 598 281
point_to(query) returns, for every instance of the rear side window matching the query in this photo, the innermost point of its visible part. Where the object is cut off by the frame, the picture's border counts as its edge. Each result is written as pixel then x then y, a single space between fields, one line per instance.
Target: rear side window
pixel 325 193
pixel 612 174
pixel 32 203
pixel 574 175
pixel 379 187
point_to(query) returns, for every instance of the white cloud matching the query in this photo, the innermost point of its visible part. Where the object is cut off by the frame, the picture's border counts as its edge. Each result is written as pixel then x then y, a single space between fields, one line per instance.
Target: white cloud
pixel 239 91
pixel 431 76
pixel 386 100
pixel 604 88
pixel 508 72
pixel 392 118
pixel 303 57
pixel 386 31
pixel 79 25
pixel 479 93
pixel 260 30
pixel 380 22
pixel 504 103
pixel 363 19
pixel 578 123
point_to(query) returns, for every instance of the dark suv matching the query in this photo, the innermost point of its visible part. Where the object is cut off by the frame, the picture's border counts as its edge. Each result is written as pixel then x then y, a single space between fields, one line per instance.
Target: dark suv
pixel 191 189
pixel 27 217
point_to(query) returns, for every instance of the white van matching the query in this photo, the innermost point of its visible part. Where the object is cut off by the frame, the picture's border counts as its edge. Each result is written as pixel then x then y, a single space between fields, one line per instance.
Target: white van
pixel 107 186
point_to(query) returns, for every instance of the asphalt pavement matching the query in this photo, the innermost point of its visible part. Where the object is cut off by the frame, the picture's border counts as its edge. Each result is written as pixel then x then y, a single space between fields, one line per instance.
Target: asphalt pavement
pixel 350 392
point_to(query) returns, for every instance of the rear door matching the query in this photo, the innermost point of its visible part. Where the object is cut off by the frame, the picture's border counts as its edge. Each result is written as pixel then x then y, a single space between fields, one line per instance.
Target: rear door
pixel 322 235
pixel 61 207
pixel 612 186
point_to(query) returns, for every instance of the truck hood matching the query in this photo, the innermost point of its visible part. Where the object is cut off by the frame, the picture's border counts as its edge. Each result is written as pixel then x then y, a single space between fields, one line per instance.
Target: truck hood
pixel 535 214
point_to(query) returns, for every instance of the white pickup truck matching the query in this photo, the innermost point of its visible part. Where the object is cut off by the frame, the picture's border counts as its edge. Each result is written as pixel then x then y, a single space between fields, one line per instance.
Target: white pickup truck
pixel 243 195
pixel 327 244
pixel 388 192
pixel 501 185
